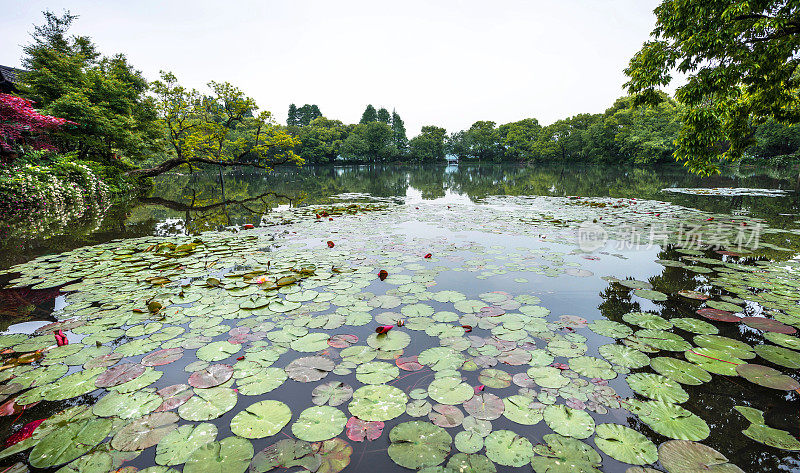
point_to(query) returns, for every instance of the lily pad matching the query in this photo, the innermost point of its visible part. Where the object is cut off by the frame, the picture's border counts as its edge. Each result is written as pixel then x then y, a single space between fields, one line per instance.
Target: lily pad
pixel 657 387
pixel 68 442
pixel 450 391
pixel 229 455
pixel 508 448
pixel 207 404
pixel 625 444
pixel 177 446
pixel 683 456
pixel 262 419
pixel 767 377
pixel 145 432
pixel 680 371
pixel 309 368
pixel 378 402
pixel 417 444
pixel 212 376
pixel 671 420
pixel 562 454
pixel 319 423
pixel 569 422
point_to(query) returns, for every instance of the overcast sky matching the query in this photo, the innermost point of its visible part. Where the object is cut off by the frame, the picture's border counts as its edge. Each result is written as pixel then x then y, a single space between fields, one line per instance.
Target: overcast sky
pixel 442 62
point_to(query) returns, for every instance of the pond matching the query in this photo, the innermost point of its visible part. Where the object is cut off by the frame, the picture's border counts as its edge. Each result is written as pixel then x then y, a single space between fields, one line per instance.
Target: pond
pixel 386 318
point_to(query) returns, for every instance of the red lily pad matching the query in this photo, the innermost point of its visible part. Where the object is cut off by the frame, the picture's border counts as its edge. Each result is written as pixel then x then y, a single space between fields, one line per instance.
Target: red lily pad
pixel 342 340
pixel 212 376
pixel 174 396
pixel 718 315
pixel 768 325
pixel 119 374
pixel 767 377
pixel 358 430
pixel 162 357
pixel 409 363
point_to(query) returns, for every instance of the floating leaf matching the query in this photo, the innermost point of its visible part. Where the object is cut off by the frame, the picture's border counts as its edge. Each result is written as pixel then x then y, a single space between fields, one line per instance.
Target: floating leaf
pixel 68 442
pixel 485 406
pixel 319 423
pixel 261 419
pixel 683 456
pixel 508 449
pixel 625 444
pixel 286 453
pixel 229 455
pixel 418 444
pixel 176 447
pixel 450 391
pixel 569 422
pixel 680 371
pixel 565 455
pixel 145 432
pixel 671 420
pixel 207 404
pixel 767 377
pixel 309 368
pixel 657 387
pixel 378 402
pixel 358 430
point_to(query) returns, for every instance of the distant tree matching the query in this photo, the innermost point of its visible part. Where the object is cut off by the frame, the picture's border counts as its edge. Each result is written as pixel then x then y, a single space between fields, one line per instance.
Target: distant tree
pixel 291 120
pixel 222 129
pixel 105 96
pixel 306 114
pixel 774 139
pixel 371 142
pixel 399 132
pixel 521 140
pixel 483 141
pixel 429 145
pixel 23 128
pixel 383 116
pixel 321 141
pixel 742 61
pixel 369 115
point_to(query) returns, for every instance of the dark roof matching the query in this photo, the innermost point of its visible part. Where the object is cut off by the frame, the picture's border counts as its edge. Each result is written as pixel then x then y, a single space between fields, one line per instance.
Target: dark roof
pixel 10 74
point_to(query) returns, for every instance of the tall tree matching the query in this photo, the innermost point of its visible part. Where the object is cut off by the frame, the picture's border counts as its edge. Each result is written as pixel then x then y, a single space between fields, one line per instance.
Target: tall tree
pixel 429 145
pixel 521 140
pixel 742 59
pixel 399 132
pixel 105 96
pixel 291 120
pixel 23 128
pixel 369 115
pixel 483 140
pixel 383 116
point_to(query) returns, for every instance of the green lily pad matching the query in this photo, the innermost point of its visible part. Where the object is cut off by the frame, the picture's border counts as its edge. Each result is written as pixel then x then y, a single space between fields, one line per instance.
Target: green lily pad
pixel 463 462
pixel 693 325
pixel 508 449
pixel 332 393
pixel 127 405
pixel 390 341
pixel 680 371
pixel 319 423
pixel 625 444
pixel 229 455
pixel 671 420
pixel 377 372
pixel 262 419
pixel 778 355
pixel 417 444
pixel 523 410
pixel 73 385
pixel 485 406
pixel 207 404
pixel 624 356
pixel 309 368
pixel 312 342
pixel 728 345
pixel 378 403
pixel 177 446
pixel 569 422
pixel 562 454
pixel 68 442
pixel 217 351
pixel 773 437
pixel 657 387
pixel 592 367
pixel 714 361
pixel 450 391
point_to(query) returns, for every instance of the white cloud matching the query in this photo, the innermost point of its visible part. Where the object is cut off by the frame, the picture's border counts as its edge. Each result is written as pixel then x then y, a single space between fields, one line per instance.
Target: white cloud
pixel 448 63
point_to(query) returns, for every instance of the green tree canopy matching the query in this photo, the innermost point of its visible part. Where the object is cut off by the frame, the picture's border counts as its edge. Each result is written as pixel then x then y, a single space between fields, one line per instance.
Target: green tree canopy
pixel 399 132
pixel 369 115
pixel 223 128
pixel 741 57
pixel 429 145
pixel 67 77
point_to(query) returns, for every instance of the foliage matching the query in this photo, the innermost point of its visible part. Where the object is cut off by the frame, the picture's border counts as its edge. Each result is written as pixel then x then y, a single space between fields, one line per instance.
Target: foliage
pixel 429 144
pixel 741 58
pixel 302 116
pixel 67 77
pixel 22 128
pixel 369 115
pixel 371 142
pixel 223 128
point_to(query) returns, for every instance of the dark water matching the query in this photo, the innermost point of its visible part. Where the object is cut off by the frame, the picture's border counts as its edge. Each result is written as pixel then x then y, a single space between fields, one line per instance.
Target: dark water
pixel 195 203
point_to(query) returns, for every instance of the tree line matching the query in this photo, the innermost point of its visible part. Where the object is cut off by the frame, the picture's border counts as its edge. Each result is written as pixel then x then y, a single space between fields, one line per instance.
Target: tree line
pixel 626 133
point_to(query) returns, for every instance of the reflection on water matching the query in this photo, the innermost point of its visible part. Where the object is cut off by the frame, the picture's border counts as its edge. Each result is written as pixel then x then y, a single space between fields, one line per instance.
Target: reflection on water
pixel 201 201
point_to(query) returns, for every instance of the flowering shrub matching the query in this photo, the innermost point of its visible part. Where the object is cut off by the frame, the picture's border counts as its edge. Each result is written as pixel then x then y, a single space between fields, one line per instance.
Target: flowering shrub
pixel 46 198
pixel 21 125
